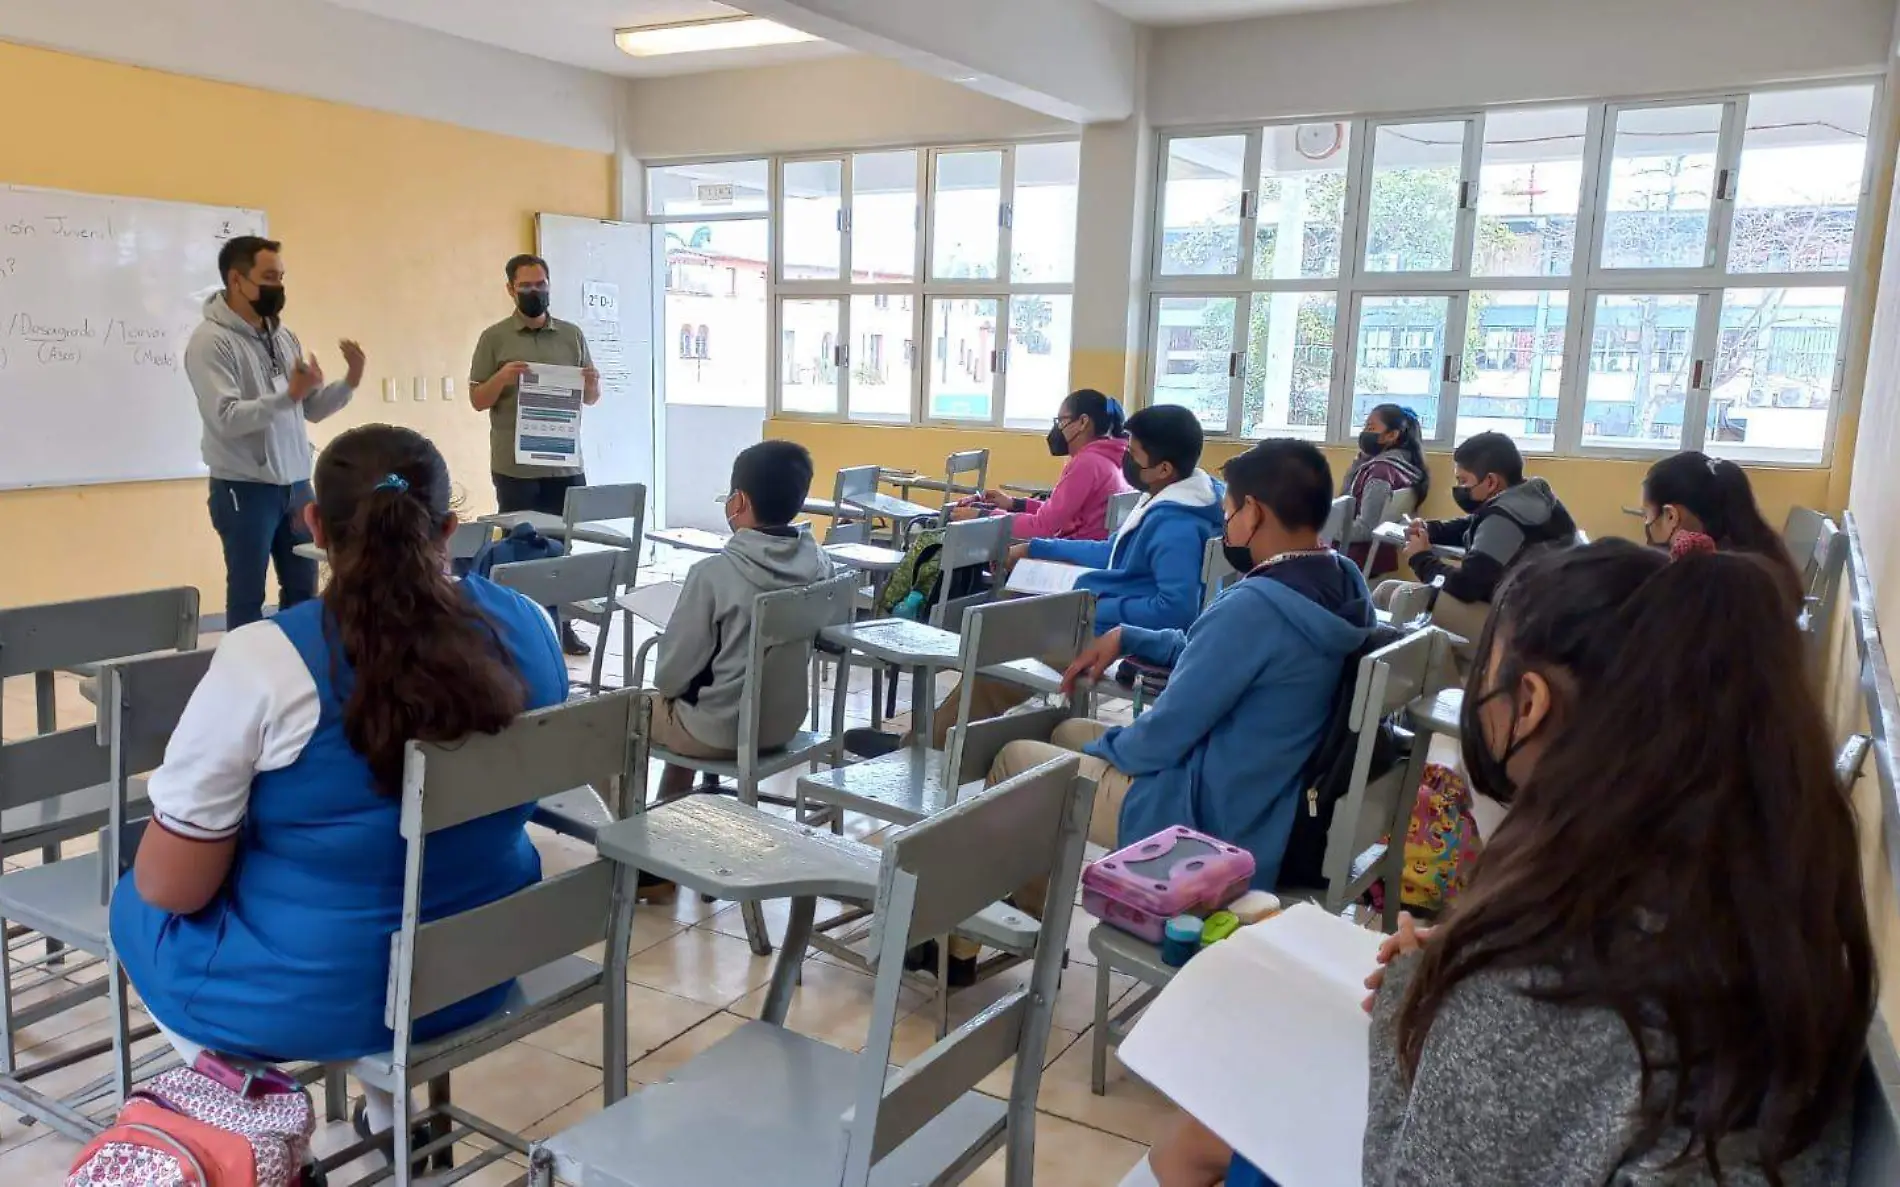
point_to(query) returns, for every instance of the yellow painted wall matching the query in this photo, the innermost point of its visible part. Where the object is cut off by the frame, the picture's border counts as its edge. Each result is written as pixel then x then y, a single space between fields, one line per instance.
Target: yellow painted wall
pixel 395 230
pixel 1595 491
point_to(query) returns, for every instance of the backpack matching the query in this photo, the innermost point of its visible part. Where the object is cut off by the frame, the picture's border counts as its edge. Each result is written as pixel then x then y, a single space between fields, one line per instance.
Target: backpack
pixel 521 543
pixel 1327 775
pixel 921 572
pixel 208 1125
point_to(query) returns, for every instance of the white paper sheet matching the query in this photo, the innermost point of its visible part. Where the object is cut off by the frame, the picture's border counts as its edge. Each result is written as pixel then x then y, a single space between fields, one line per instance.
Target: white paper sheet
pixel 1043 577
pixel 1262 1039
pixel 548 404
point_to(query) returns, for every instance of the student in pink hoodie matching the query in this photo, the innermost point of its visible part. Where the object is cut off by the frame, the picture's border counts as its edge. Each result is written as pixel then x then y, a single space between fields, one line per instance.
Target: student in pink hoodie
pixel 1088 431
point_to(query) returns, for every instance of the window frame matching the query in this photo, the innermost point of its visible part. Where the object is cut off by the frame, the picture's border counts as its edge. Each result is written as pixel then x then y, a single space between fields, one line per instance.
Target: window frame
pixel 1587 280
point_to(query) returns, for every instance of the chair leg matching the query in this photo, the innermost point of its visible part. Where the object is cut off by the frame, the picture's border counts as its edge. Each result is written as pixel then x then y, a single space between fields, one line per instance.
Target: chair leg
pixel 943 986
pixel 877 696
pixel 121 1029
pixel 890 694
pixel 600 652
pixel 6 1005
pixel 541 1169
pixel 440 1124
pixel 402 1134
pixel 626 649
pixel 336 1094
pixel 755 933
pixel 1098 1034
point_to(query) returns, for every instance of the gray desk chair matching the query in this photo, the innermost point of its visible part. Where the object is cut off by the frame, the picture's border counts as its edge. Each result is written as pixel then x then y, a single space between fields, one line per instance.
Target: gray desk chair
pixel 67 901
pixel 970 550
pixel 851 482
pixel 1822 567
pixel 542 930
pixel 1119 508
pixel 1800 533
pixel 965 473
pixel 563 581
pixel 853 531
pixel 785 626
pixel 1397 507
pixel 1338 525
pixel 1216 573
pixel 767 1105
pixel 1370 822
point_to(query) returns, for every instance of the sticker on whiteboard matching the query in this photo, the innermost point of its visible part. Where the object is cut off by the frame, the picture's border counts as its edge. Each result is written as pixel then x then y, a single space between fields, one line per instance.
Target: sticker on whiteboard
pixel 600 301
pixel 713 193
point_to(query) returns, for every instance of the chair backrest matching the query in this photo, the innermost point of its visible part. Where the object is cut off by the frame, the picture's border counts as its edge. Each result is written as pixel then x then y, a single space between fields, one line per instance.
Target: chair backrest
pixel 1332 533
pixel 1028 828
pixel 1401 504
pixel 468 539
pixel 1216 573
pixel 1052 628
pixel 140 704
pixel 558 580
pixel 607 504
pixel 848 531
pixel 854 482
pixel 1119 507
pixel 446 960
pixel 1387 681
pixel 40 640
pixel 1801 531
pixel 973 544
pixel 965 473
pixel 785 624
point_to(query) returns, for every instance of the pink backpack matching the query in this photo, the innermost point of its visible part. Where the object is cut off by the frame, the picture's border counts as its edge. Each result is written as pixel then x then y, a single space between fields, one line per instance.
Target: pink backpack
pixel 209 1125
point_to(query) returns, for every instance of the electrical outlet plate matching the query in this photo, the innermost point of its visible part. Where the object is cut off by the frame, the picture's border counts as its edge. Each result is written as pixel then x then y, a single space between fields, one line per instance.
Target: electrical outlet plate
pixel 448 387
pixel 389 391
pixel 422 389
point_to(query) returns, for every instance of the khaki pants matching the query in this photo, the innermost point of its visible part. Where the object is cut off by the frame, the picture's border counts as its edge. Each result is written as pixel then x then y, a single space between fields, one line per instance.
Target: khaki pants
pixel 990 698
pixel 1111 786
pixel 1465 619
pixel 669 733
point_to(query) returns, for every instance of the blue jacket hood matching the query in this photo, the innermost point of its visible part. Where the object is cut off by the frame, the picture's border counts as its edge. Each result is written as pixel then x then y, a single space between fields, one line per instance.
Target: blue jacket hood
pixel 1329 604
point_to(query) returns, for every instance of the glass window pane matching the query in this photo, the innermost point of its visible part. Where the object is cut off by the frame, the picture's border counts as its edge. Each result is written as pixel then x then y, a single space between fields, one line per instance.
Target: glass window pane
pixel 963 346
pixel 717 187
pixel 715 313
pixel 1401 356
pixel 1194 347
pixel 1662 183
pixel 1289 365
pixel 1528 188
pixel 883 357
pixel 1416 169
pixel 1641 356
pixel 813 199
pixel 1200 206
pixel 1514 366
pixel 1302 200
pixel 1798 194
pixel 1037 379
pixel 1774 373
pixel 883 217
pixel 808 369
pixel 1042 213
pixel 966 227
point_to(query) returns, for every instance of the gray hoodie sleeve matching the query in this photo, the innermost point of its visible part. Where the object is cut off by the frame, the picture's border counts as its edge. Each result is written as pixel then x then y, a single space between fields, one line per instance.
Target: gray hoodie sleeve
pixel 212 366
pixel 692 633
pixel 326 400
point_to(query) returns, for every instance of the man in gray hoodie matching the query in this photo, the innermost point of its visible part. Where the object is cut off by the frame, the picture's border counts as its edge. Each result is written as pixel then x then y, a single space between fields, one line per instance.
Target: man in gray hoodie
pixel 702 665
pixel 255 390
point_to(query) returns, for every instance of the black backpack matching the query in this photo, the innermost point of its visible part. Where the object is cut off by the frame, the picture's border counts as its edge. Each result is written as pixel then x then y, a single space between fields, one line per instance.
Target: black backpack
pixel 1327 775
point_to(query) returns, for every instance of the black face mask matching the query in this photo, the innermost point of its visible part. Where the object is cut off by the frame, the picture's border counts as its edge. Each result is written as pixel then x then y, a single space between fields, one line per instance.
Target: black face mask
pixel 1467 502
pixel 1651 540
pixel 1369 443
pixel 1132 471
pixel 269 301
pixel 1488 773
pixel 532 303
pixel 1058 444
pixel 1239 557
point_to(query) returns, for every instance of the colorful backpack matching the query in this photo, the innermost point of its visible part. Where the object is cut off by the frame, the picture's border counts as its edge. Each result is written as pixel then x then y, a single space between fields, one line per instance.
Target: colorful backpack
pixel 209 1125
pixel 919 571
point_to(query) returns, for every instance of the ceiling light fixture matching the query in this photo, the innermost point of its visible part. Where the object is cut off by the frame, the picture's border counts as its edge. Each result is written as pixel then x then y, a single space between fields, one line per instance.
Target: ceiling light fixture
pixel 692 37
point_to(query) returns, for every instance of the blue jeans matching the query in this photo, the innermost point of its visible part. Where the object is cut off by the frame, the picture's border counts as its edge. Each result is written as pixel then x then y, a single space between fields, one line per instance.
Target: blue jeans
pixel 261 524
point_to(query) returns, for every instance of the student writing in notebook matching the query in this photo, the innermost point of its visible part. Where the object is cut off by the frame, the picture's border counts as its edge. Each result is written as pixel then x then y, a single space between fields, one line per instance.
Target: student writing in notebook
pixel 1661 973
pixel 1089 432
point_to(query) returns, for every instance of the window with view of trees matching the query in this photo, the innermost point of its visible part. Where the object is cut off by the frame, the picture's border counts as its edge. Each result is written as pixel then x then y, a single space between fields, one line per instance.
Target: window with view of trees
pixel 1586 278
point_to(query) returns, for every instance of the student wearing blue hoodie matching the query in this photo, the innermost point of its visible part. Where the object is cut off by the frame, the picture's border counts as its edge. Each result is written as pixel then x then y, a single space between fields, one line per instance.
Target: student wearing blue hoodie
pixel 1149 573
pixel 1254 677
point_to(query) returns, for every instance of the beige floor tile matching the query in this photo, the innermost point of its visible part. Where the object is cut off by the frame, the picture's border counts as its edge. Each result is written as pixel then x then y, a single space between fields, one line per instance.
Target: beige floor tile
pixel 702 965
pixel 676 1054
pixel 1075 1000
pixel 1001 1081
pixel 1130 1109
pixel 833 1005
pixel 41 1162
pixel 653 1020
pixel 518 1085
pixel 1069 1155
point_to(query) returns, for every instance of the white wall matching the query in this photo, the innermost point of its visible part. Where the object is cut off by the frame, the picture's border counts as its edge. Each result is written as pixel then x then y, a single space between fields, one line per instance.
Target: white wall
pixel 832 103
pixel 1450 53
pixel 306 47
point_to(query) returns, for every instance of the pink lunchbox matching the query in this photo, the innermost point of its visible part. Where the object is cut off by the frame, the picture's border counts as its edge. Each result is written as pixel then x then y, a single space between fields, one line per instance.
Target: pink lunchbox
pixel 1175 872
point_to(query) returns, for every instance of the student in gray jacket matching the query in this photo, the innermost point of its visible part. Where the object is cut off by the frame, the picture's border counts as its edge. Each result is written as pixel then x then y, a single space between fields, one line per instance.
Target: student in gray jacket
pixel 255 390
pixel 701 670
pixel 1661 974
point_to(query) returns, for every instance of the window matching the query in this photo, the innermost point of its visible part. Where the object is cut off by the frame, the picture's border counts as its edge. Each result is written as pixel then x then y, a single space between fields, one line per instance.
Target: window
pixel 879 390
pixel 812 210
pixel 808 379
pixel 715 273
pixel 714 189
pixel 883 223
pixel 699 345
pixel 1592 279
pixel 966 229
pixel 964 354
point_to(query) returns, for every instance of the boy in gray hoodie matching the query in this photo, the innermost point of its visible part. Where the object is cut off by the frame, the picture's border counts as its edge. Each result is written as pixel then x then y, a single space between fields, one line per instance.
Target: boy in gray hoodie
pixel 702 665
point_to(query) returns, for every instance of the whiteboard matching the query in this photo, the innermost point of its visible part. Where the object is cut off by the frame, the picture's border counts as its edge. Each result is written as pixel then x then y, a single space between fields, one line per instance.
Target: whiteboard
pixel 601 273
pixel 98 297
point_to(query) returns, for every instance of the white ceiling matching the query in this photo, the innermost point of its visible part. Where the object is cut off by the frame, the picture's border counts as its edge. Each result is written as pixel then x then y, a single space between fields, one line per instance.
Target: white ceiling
pixel 581 32
pixel 1195 12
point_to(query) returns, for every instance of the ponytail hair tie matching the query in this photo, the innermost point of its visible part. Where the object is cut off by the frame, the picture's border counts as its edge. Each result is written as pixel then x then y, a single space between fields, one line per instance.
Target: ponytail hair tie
pixel 395 482
pixel 1691 544
pixel 1115 409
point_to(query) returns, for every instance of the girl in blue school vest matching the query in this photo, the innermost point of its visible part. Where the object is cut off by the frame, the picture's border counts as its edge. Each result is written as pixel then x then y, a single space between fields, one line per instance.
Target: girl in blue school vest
pixel 256 920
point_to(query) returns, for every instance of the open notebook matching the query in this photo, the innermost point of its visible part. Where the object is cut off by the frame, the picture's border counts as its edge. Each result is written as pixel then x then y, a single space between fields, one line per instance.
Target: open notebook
pixel 1043 577
pixel 1262 1039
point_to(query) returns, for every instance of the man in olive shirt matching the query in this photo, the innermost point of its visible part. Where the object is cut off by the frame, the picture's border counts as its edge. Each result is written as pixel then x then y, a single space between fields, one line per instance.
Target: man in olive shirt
pixel 505 350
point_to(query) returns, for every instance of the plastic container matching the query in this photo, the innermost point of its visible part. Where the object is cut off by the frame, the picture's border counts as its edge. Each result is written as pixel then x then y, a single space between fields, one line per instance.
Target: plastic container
pixel 1175 872
pixel 1218 927
pixel 1180 940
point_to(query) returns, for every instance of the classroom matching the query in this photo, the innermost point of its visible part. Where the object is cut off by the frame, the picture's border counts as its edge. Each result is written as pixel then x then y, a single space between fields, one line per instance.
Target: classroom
pixel 887 527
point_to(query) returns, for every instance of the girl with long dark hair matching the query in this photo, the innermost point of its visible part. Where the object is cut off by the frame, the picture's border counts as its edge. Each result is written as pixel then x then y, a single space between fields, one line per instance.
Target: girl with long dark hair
pixel 256 919
pixel 1391 460
pixel 1694 494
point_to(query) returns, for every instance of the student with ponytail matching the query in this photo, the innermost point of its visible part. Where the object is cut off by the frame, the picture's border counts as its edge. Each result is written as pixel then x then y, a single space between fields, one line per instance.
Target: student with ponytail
pixel 256 919
pixel 1692 493
pixel 1088 432
pixel 1391 459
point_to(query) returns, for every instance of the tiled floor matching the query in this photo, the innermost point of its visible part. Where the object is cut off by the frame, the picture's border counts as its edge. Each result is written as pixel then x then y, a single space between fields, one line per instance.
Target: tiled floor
pixel 691 981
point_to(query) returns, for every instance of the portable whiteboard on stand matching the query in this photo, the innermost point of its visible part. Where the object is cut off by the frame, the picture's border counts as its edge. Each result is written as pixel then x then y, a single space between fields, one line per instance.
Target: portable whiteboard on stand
pixel 602 278
pixel 98 298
